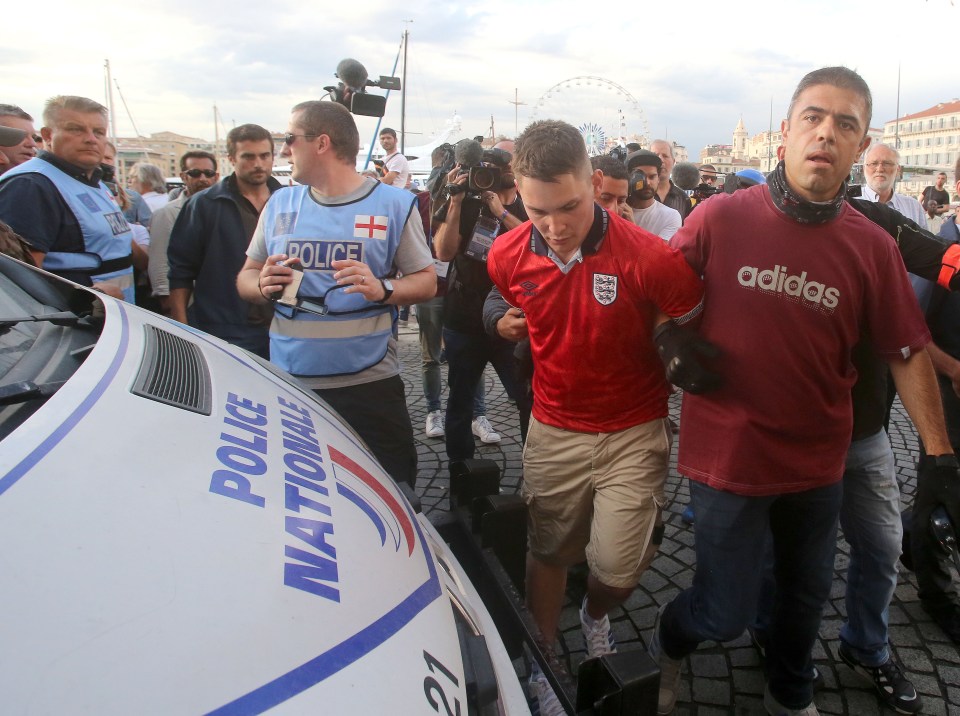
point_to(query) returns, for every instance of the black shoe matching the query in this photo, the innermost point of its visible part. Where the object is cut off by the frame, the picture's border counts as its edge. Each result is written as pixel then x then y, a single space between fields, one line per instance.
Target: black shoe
pixel 759 640
pixel 947 619
pixel 889 680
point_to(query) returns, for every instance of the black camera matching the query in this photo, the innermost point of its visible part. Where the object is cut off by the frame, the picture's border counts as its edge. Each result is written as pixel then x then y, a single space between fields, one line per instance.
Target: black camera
pixel 620 154
pixel 351 91
pixel 704 191
pixel 480 178
pixel 488 175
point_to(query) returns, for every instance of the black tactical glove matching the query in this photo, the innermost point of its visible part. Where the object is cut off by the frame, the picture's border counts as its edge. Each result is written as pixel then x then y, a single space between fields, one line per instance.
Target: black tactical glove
pixel 683 352
pixel 938 483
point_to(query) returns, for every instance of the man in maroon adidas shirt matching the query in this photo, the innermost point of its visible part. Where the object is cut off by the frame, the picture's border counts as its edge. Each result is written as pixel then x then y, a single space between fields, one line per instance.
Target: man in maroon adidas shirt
pixel 795 279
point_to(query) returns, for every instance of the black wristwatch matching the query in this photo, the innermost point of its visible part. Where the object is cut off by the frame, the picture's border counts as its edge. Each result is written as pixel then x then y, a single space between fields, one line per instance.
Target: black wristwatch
pixel 387 290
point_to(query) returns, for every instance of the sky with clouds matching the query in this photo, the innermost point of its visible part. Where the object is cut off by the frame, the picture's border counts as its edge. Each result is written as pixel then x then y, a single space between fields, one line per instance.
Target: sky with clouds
pixel 687 72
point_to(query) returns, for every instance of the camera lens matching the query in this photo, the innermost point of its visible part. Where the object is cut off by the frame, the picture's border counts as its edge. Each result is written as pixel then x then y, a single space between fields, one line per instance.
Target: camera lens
pixel 484 178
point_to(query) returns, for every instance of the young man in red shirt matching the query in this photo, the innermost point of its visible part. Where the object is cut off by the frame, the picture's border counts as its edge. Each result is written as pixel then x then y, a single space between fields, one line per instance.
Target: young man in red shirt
pixel 588 288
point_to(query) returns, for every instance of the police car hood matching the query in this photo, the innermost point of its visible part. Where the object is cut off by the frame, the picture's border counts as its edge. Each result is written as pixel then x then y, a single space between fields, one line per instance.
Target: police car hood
pixel 185 532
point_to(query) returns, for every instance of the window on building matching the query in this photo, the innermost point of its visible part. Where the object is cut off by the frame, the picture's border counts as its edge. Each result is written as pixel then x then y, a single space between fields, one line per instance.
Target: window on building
pixel 927 142
pixel 939 140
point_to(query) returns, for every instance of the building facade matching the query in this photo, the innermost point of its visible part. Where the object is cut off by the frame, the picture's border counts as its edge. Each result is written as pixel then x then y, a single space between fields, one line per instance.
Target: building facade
pixel 928 141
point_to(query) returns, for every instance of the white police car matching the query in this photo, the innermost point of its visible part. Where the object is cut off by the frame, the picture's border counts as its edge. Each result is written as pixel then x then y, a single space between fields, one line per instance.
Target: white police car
pixel 185 530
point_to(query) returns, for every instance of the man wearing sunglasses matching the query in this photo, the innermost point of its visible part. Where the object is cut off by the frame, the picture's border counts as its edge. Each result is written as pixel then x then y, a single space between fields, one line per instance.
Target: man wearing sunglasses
pixel 15 118
pixel 328 252
pixel 210 237
pixel 198 170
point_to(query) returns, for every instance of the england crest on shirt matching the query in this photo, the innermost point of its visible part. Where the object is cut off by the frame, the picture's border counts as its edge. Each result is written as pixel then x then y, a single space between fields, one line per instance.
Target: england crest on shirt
pixel 604 288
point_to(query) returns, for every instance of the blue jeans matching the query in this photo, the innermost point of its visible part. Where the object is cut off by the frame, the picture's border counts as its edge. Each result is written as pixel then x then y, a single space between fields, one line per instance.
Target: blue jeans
pixel 870 517
pixel 467 356
pixel 731 535
pixel 430 322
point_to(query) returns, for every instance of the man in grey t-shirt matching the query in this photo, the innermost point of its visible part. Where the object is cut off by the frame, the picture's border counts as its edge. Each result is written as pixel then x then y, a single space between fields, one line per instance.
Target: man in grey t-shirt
pixel 348 356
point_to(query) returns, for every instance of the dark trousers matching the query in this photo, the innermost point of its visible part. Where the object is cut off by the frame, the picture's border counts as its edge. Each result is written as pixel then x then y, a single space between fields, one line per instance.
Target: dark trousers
pixel 732 534
pixel 377 411
pixel 467 356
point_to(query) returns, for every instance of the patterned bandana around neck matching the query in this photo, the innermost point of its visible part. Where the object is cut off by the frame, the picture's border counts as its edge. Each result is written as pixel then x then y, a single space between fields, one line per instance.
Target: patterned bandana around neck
pixel 801 210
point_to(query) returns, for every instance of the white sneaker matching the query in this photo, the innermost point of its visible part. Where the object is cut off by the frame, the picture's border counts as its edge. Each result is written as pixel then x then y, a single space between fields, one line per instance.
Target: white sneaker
pixel 484 430
pixel 775 708
pixel 544 695
pixel 435 424
pixel 598 637
pixel 669 671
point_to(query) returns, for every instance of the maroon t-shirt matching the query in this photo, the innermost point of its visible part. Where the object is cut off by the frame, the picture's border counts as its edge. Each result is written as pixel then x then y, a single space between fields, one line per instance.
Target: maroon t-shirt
pixel 786 303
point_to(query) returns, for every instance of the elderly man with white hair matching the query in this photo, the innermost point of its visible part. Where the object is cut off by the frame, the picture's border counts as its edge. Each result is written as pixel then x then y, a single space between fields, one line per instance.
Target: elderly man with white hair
pixel 148 180
pixel 881 167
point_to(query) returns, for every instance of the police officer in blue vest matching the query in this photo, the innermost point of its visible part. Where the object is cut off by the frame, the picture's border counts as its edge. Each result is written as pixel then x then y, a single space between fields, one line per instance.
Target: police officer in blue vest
pixel 329 253
pixel 58 204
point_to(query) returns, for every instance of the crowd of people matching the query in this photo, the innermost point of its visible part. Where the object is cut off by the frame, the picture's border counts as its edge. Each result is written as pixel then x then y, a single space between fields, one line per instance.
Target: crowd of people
pixel 595 288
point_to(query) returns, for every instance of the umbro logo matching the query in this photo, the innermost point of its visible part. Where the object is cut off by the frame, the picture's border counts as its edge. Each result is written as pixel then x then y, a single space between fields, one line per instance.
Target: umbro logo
pixel 529 288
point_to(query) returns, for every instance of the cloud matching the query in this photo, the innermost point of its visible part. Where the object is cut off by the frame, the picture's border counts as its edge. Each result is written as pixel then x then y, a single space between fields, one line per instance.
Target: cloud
pixel 693 78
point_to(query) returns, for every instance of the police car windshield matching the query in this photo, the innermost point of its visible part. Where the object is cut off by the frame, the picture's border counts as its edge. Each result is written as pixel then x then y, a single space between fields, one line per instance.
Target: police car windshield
pixel 16 339
pixel 40 344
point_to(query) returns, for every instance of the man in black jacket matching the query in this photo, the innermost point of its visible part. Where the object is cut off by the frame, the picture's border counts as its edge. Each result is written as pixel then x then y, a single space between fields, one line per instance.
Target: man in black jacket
pixel 209 241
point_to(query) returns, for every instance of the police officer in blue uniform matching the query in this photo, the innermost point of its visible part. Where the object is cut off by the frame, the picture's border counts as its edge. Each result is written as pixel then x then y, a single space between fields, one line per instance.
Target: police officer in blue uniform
pixel 58 204
pixel 331 251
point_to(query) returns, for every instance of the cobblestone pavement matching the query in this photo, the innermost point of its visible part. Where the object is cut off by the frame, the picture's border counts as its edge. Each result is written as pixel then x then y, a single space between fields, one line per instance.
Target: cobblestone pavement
pixel 723 678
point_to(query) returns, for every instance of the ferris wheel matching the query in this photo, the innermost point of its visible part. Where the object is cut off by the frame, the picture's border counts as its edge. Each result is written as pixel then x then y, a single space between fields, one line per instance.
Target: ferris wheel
pixel 602 110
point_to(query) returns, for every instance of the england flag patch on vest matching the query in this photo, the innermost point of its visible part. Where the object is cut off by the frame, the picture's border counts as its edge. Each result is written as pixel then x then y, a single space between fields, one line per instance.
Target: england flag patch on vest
pixel 604 288
pixel 369 227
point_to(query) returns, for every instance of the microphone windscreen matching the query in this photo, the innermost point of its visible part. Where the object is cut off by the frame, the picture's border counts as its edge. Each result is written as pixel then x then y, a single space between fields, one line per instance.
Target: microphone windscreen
pixel 468 152
pixel 352 74
pixel 686 175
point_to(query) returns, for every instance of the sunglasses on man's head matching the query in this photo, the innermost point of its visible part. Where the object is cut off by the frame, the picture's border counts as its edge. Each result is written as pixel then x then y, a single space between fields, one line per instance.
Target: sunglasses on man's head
pixel 196 173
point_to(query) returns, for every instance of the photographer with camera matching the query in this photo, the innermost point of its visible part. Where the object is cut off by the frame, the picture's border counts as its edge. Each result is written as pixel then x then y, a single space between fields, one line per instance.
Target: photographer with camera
pixel 648 213
pixel 481 203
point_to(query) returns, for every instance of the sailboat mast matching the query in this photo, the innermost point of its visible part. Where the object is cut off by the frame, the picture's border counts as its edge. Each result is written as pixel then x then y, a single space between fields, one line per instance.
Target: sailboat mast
pixel 403 92
pixel 113 117
pixel 216 137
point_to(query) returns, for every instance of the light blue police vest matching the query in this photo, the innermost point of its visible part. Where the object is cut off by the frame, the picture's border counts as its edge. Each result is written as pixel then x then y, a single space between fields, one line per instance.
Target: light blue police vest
pixel 355 334
pixel 106 233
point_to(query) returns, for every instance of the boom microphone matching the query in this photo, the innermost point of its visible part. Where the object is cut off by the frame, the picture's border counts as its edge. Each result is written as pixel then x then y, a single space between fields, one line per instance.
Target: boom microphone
pixel 352 74
pixel 686 175
pixel 468 152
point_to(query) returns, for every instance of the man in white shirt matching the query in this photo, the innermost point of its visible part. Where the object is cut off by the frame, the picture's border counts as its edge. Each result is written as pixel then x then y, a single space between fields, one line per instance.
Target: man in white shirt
pixel 648 212
pixel 395 164
pixel 881 167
